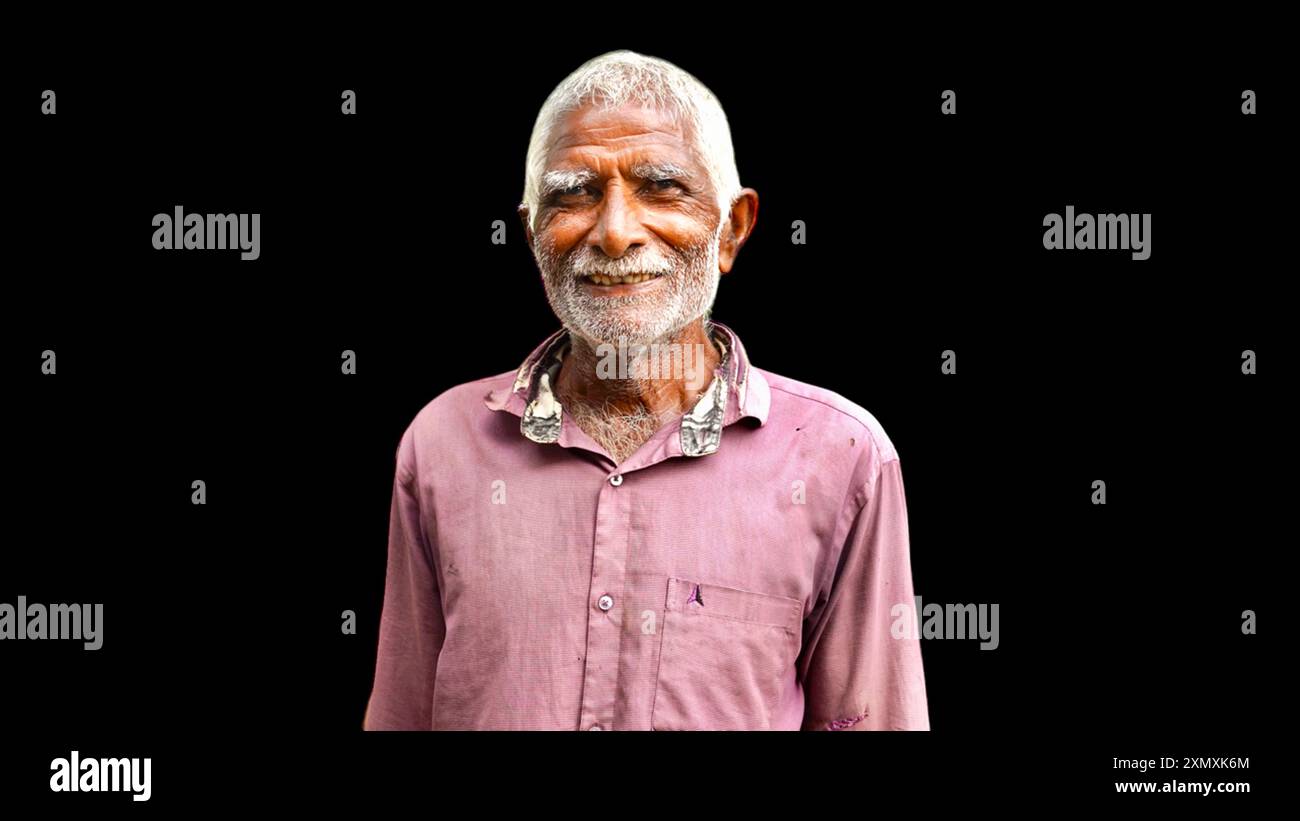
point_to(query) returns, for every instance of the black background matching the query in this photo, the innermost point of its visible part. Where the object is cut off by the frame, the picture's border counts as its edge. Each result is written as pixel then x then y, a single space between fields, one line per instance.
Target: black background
pixel 223 658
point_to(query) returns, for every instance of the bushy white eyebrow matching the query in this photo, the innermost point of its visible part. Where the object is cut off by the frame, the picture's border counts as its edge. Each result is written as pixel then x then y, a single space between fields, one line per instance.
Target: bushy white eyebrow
pixel 660 171
pixel 563 180
pixel 566 178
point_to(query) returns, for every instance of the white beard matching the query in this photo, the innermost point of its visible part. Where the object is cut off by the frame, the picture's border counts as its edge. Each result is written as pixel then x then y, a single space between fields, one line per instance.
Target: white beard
pixel 689 288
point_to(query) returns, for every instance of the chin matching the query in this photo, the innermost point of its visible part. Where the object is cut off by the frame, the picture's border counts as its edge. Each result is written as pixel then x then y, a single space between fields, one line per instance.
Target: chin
pixel 630 335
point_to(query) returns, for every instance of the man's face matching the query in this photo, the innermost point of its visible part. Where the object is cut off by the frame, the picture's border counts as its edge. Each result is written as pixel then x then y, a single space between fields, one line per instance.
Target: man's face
pixel 628 226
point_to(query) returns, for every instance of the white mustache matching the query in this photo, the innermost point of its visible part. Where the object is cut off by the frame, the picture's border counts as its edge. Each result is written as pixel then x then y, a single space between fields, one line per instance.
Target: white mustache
pixel 586 263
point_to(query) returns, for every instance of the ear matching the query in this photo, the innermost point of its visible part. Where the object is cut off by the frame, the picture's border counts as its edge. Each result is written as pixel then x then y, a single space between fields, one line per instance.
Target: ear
pixel 740 224
pixel 528 229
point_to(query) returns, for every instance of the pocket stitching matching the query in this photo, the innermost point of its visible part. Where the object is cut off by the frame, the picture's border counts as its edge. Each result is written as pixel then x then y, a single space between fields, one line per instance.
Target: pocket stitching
pixel 790 624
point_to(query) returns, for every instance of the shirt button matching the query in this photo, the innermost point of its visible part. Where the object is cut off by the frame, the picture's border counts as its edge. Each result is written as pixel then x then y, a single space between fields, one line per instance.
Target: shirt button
pixel 605 602
pixel 595 727
pixel 616 479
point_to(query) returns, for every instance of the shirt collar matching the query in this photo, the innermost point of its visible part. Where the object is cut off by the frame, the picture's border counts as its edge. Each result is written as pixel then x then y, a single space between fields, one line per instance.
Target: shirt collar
pixel 736 391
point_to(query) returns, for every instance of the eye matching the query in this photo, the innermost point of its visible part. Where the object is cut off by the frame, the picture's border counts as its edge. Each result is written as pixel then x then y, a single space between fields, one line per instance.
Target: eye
pixel 568 195
pixel 666 184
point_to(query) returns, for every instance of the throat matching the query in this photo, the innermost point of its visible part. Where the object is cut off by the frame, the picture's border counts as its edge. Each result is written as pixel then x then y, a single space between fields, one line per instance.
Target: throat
pixel 619 431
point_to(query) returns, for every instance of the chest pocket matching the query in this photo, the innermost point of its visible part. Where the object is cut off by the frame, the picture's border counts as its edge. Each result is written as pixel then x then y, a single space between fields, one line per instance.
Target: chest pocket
pixel 724 655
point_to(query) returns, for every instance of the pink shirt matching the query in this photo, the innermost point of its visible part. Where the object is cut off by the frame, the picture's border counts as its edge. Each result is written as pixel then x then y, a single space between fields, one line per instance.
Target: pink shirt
pixel 736 573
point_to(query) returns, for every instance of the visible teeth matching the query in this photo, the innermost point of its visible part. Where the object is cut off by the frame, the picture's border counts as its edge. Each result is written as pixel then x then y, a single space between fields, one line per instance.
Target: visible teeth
pixel 632 279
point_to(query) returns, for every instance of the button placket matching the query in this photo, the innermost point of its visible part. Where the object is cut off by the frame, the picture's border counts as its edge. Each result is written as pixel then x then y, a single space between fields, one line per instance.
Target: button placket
pixel 605 620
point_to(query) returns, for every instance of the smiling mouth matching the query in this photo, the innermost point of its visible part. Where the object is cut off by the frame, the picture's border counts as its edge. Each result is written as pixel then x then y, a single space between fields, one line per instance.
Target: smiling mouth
pixel 631 279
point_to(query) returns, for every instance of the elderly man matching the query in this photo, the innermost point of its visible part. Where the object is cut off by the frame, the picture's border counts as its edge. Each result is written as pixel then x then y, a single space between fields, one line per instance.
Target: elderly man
pixel 638 529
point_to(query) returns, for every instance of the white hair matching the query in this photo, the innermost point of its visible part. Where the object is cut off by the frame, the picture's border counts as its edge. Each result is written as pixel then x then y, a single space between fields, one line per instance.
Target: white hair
pixel 618 78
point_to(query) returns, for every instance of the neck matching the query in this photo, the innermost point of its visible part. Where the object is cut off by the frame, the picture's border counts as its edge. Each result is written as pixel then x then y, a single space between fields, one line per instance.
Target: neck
pixel 631 384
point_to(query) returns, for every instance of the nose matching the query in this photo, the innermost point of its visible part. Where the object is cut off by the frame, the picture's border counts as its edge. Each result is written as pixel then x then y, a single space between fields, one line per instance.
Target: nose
pixel 618 226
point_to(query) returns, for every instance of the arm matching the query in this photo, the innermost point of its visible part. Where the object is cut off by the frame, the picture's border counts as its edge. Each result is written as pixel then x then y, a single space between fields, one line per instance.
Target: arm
pixel 411 630
pixel 856 674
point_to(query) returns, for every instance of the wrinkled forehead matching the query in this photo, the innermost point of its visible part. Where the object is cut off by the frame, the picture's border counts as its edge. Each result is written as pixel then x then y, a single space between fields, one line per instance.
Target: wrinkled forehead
pixel 625 135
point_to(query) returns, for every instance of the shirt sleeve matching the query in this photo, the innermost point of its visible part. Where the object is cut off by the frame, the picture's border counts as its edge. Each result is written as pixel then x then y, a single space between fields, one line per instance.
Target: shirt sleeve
pixel 857 675
pixel 411 629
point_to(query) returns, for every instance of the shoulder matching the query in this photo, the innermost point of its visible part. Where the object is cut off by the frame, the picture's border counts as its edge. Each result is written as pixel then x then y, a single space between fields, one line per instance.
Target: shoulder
pixel 839 433
pixel 449 416
pixel 792 399
pixel 458 400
